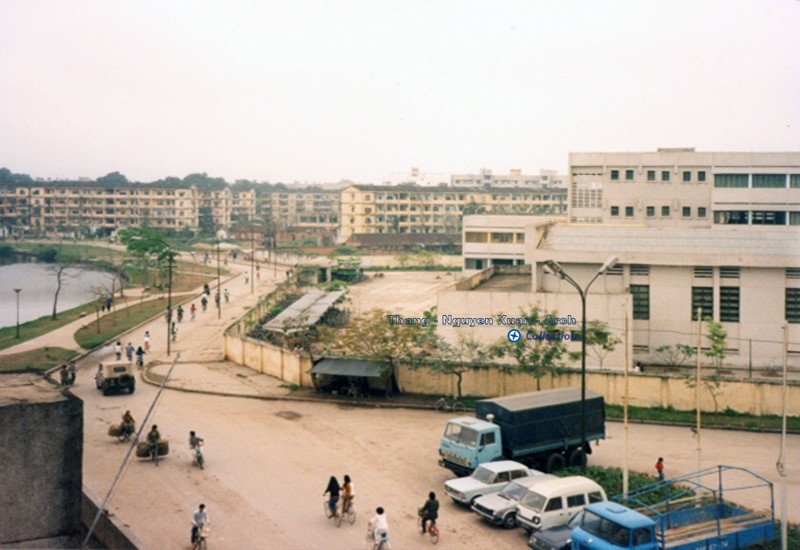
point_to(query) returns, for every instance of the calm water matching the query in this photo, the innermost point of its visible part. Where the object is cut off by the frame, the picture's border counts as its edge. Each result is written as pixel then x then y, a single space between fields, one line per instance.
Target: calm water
pixel 38 286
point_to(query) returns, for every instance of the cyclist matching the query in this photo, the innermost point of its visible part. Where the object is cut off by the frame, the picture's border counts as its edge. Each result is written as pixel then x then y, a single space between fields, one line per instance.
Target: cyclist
pixel 348 494
pixel 334 490
pixel 140 356
pixel 194 444
pixel 429 511
pixel 378 525
pixel 153 437
pixel 199 520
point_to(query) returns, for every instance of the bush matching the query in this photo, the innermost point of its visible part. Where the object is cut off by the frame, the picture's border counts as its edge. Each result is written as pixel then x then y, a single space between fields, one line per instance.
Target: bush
pixel 610 479
pixel 47 254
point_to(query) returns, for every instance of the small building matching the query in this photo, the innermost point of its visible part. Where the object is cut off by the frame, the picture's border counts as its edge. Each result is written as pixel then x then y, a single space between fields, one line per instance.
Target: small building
pixel 393 242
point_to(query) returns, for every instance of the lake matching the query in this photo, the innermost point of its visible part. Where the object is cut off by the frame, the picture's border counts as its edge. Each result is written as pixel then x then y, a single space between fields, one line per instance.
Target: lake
pixel 38 284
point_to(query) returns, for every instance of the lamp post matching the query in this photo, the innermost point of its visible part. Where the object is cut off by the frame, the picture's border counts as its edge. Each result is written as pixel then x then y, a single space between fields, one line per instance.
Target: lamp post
pixel 558 270
pixel 252 260
pixel 218 298
pixel 170 255
pixel 17 290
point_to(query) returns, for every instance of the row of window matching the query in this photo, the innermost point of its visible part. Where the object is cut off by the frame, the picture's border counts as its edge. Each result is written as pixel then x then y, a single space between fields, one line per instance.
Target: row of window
pixel 666 211
pixel 686 175
pixel 757 181
pixel 494 237
pixel 756 217
pixel 703 300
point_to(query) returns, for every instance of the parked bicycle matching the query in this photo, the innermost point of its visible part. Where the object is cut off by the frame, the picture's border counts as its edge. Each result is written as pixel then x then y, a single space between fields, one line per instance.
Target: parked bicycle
pixel 449 404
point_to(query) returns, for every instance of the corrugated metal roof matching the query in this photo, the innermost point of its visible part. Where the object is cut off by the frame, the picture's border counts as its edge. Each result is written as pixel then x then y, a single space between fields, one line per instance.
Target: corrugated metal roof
pixel 731 240
pixel 304 312
pixel 350 367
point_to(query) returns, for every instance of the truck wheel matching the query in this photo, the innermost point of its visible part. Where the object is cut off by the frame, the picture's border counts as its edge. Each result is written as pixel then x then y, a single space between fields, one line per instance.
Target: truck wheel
pixel 577 457
pixel 132 388
pixel 510 521
pixel 555 462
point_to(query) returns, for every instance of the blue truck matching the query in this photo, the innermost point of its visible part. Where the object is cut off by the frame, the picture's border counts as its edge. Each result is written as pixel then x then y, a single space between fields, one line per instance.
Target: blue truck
pixel 697 515
pixel 539 429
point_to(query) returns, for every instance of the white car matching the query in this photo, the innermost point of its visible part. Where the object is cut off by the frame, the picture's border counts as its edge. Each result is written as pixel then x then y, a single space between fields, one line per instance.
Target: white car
pixel 500 508
pixel 487 478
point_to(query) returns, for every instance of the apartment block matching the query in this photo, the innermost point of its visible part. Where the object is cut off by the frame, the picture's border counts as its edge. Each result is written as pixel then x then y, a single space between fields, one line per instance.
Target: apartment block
pixel 413 209
pixel 515 178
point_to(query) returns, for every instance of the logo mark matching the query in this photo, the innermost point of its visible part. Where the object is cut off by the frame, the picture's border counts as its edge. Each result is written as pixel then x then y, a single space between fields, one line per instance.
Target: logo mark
pixel 514 335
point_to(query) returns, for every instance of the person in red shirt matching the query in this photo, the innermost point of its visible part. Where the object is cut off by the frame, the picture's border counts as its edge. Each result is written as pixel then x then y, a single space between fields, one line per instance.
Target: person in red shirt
pixel 660 468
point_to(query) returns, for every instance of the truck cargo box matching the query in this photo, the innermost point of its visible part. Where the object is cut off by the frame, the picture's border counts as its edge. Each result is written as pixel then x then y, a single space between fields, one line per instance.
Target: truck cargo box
pixel 539 421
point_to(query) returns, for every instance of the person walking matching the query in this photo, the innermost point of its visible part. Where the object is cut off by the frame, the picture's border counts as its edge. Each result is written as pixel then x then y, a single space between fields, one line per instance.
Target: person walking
pixel 660 468
pixel 180 314
pixel 72 371
pixel 227 296
pixel 64 374
pixel 204 302
pixel 193 311
pixel 129 349
pixel 118 350
pixel 146 341
pixel 174 332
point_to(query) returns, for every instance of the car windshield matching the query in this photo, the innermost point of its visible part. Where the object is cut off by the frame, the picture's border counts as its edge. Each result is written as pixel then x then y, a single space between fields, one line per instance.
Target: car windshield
pixel 534 501
pixel 460 434
pixel 513 491
pixel 605 529
pixel 484 475
pixel 576 520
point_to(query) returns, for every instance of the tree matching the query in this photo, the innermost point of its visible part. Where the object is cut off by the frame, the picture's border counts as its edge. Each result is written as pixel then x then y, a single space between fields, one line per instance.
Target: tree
pixel 457 359
pixel 113 178
pixel 61 273
pixel 205 220
pixel 674 356
pixel 536 357
pixel 600 340
pixel 145 245
pixel 403 259
pixel 712 384
pixel 717 338
pixel 426 258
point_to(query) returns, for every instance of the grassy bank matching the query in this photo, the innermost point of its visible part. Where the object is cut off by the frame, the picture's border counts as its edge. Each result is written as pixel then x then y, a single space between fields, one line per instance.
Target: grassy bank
pixel 42 325
pixel 114 324
pixel 41 359
pixel 724 419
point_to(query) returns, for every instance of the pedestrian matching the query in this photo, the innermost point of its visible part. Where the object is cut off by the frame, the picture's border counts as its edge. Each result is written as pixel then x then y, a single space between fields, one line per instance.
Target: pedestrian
pixel 180 314
pixel 118 350
pixel 246 278
pixel 227 296
pixel 174 332
pixel 193 311
pixel 64 374
pixel 102 304
pixel 660 468
pixel 140 357
pixel 72 371
pixel 637 367
pixel 168 315
pixel 109 301
pixel 146 341
pixel 204 302
pixel 206 289
pixel 129 351
pixel 216 299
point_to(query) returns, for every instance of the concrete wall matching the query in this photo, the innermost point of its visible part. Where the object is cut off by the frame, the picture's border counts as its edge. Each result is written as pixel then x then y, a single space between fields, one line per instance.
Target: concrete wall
pixel 107 530
pixel 291 367
pixel 41 449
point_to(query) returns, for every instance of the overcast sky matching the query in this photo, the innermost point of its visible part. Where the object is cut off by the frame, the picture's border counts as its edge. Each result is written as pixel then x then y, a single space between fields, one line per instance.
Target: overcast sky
pixel 321 91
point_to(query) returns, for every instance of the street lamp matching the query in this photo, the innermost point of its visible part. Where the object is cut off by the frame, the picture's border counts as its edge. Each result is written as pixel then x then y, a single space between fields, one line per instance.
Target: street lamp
pixel 558 270
pixel 17 290
pixel 218 298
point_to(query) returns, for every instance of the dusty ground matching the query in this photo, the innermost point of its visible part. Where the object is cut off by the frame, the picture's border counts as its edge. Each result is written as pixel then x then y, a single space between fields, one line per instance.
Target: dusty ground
pixel 268 462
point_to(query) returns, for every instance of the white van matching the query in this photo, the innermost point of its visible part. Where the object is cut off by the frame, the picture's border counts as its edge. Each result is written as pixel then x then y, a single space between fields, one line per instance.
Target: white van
pixel 553 502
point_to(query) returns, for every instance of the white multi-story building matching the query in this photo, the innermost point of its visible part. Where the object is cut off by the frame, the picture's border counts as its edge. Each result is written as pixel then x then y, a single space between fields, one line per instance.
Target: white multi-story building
pixel 515 178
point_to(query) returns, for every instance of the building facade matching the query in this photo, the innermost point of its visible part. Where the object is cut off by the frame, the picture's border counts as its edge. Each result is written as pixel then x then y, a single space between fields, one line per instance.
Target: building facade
pixel 412 209
pixel 685 188
pixel 514 178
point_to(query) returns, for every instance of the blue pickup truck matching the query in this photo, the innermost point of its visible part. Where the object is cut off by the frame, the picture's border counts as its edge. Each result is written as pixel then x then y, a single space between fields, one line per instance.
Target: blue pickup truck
pixel 697 516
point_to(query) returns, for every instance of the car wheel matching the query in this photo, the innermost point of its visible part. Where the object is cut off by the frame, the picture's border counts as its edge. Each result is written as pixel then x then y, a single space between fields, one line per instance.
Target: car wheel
pixel 510 521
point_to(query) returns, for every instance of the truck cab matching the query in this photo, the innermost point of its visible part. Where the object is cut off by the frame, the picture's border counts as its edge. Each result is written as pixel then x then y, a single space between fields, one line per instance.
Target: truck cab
pixel 468 442
pixel 611 526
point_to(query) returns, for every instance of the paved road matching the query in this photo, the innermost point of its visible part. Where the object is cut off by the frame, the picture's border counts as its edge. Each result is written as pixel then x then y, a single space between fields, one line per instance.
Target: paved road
pixel 268 461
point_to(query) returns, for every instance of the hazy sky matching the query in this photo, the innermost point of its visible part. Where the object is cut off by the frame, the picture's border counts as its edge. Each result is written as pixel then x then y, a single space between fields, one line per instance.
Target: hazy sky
pixel 321 91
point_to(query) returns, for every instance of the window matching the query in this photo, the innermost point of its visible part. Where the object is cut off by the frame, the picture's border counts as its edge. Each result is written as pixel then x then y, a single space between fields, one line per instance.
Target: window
pixel 519 238
pixel 793 305
pixel 629 175
pixel 794 218
pixel 730 180
pixel 729 304
pixel 576 500
pixel 772 181
pixel 651 175
pixel 516 474
pixel 686 211
pixel 651 211
pixel 701 175
pixel 641 302
pixel 502 477
pixel 596 496
pixel 665 175
pixel 502 237
pixel 703 298
pixel 614 211
pixel 629 211
pixel 731 217
pixel 665 211
pixel 762 217
pixel 554 504
pixel 794 181
pixel 614 175
pixel 472 263
pixel 687 176
pixel 475 237
pixel 641 536
pixel 642 270
pixel 703 272
pixel 728 272
pixel 701 211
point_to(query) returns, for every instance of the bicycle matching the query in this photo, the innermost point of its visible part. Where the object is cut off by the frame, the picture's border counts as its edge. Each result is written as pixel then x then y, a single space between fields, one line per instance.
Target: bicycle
pixel 349 511
pixel 337 511
pixel 432 530
pixel 202 535
pixel 452 404
pixel 382 544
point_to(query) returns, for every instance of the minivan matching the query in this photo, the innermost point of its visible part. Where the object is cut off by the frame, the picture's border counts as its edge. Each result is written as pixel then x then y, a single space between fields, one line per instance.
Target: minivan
pixel 554 502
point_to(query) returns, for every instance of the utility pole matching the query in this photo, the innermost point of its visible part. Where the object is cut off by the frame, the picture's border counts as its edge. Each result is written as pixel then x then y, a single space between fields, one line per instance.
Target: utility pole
pixel 218 298
pixel 170 256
